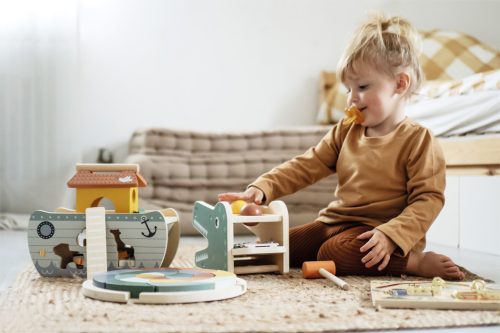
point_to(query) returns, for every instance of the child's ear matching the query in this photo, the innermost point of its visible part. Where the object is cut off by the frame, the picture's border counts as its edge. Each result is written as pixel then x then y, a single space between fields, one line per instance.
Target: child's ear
pixel 403 81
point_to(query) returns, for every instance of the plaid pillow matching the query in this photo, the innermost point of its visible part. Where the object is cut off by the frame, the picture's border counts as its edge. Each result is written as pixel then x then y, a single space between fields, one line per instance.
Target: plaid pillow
pixel 446 55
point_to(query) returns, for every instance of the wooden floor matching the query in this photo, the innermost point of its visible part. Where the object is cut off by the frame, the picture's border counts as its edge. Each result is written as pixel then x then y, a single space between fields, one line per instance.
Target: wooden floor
pixel 14 257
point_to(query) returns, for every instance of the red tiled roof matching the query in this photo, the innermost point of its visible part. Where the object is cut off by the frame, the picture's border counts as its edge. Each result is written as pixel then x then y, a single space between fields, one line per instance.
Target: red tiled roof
pixel 109 179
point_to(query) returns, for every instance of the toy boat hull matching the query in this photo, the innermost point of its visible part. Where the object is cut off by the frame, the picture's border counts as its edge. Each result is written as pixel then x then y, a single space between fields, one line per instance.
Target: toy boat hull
pixel 57 241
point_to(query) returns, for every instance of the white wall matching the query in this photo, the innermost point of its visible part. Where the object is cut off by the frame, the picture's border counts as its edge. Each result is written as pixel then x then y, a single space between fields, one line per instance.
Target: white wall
pixel 228 64
pixel 212 65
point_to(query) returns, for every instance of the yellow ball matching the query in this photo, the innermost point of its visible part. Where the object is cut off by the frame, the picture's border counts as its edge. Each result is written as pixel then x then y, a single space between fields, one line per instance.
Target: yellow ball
pixel 236 206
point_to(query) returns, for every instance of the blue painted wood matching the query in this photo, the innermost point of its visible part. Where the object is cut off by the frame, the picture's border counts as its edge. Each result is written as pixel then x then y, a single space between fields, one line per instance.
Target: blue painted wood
pixel 212 223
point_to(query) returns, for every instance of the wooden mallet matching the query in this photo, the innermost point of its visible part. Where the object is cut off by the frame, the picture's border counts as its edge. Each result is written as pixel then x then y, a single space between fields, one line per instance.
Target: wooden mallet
pixel 318 269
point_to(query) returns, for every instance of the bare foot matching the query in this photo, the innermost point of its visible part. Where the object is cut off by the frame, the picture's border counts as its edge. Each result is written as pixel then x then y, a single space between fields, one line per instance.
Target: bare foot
pixel 430 264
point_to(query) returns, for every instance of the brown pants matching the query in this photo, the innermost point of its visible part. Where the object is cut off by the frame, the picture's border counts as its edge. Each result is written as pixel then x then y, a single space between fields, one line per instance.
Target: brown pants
pixel 320 241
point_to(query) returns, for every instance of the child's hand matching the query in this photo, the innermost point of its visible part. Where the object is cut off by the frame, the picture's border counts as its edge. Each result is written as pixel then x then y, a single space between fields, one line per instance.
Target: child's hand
pixel 252 194
pixel 382 248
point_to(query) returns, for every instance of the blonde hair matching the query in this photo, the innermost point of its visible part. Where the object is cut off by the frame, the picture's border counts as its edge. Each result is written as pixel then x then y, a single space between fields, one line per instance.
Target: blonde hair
pixel 389 44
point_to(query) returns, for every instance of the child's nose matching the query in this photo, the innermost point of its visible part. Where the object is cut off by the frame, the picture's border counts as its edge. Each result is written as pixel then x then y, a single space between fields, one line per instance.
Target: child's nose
pixel 354 97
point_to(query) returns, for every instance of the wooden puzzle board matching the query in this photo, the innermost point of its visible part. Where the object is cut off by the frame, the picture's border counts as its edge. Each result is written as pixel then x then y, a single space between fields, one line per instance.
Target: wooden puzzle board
pixel 164 285
pixel 423 295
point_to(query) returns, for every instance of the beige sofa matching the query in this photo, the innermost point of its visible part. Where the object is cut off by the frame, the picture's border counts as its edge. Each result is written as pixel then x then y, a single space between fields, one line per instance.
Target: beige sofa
pixel 182 167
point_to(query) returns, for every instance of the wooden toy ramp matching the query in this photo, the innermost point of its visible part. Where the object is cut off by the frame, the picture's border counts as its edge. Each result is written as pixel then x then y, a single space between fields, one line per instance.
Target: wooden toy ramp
pixel 268 254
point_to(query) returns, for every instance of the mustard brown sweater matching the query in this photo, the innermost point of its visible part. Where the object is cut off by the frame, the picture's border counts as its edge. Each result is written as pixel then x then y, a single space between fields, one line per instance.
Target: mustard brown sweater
pixel 394 182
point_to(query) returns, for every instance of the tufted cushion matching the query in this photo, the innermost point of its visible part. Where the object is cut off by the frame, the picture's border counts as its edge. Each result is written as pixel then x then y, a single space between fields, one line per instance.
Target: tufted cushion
pixel 446 55
pixel 182 167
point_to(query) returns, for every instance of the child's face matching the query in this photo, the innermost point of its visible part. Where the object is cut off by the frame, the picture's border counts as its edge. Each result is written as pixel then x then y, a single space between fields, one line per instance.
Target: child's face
pixel 374 94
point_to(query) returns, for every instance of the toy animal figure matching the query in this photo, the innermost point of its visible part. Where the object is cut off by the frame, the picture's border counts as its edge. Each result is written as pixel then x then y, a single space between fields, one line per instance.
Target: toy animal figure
pixel 125 252
pixel 211 222
pixel 67 256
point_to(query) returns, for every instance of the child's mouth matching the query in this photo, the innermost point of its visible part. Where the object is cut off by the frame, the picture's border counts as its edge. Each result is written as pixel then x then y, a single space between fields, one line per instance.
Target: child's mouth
pixel 354 115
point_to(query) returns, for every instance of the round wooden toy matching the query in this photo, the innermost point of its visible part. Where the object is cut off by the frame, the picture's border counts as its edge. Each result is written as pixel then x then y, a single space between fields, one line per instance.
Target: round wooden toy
pixel 164 285
pixel 237 205
pixel 251 209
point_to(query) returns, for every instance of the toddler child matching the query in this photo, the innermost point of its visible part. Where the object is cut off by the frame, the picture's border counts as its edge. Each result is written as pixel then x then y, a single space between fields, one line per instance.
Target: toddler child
pixel 391 170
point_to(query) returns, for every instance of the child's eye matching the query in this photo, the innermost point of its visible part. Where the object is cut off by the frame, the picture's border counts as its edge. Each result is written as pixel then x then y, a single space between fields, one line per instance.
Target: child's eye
pixel 363 87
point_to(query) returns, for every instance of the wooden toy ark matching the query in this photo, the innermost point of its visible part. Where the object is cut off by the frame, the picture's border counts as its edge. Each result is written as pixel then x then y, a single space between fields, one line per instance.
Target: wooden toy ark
pixel 269 253
pixel 125 237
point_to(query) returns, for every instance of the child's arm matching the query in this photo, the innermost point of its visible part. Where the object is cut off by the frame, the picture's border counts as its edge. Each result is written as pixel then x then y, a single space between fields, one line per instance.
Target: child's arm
pixel 303 170
pixel 425 185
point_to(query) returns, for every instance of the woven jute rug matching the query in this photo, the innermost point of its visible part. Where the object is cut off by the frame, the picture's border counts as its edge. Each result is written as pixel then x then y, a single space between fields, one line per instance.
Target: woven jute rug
pixel 273 303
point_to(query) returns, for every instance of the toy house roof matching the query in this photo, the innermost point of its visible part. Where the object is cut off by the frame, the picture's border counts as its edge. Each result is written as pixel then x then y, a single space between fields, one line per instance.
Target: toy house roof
pixel 107 176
